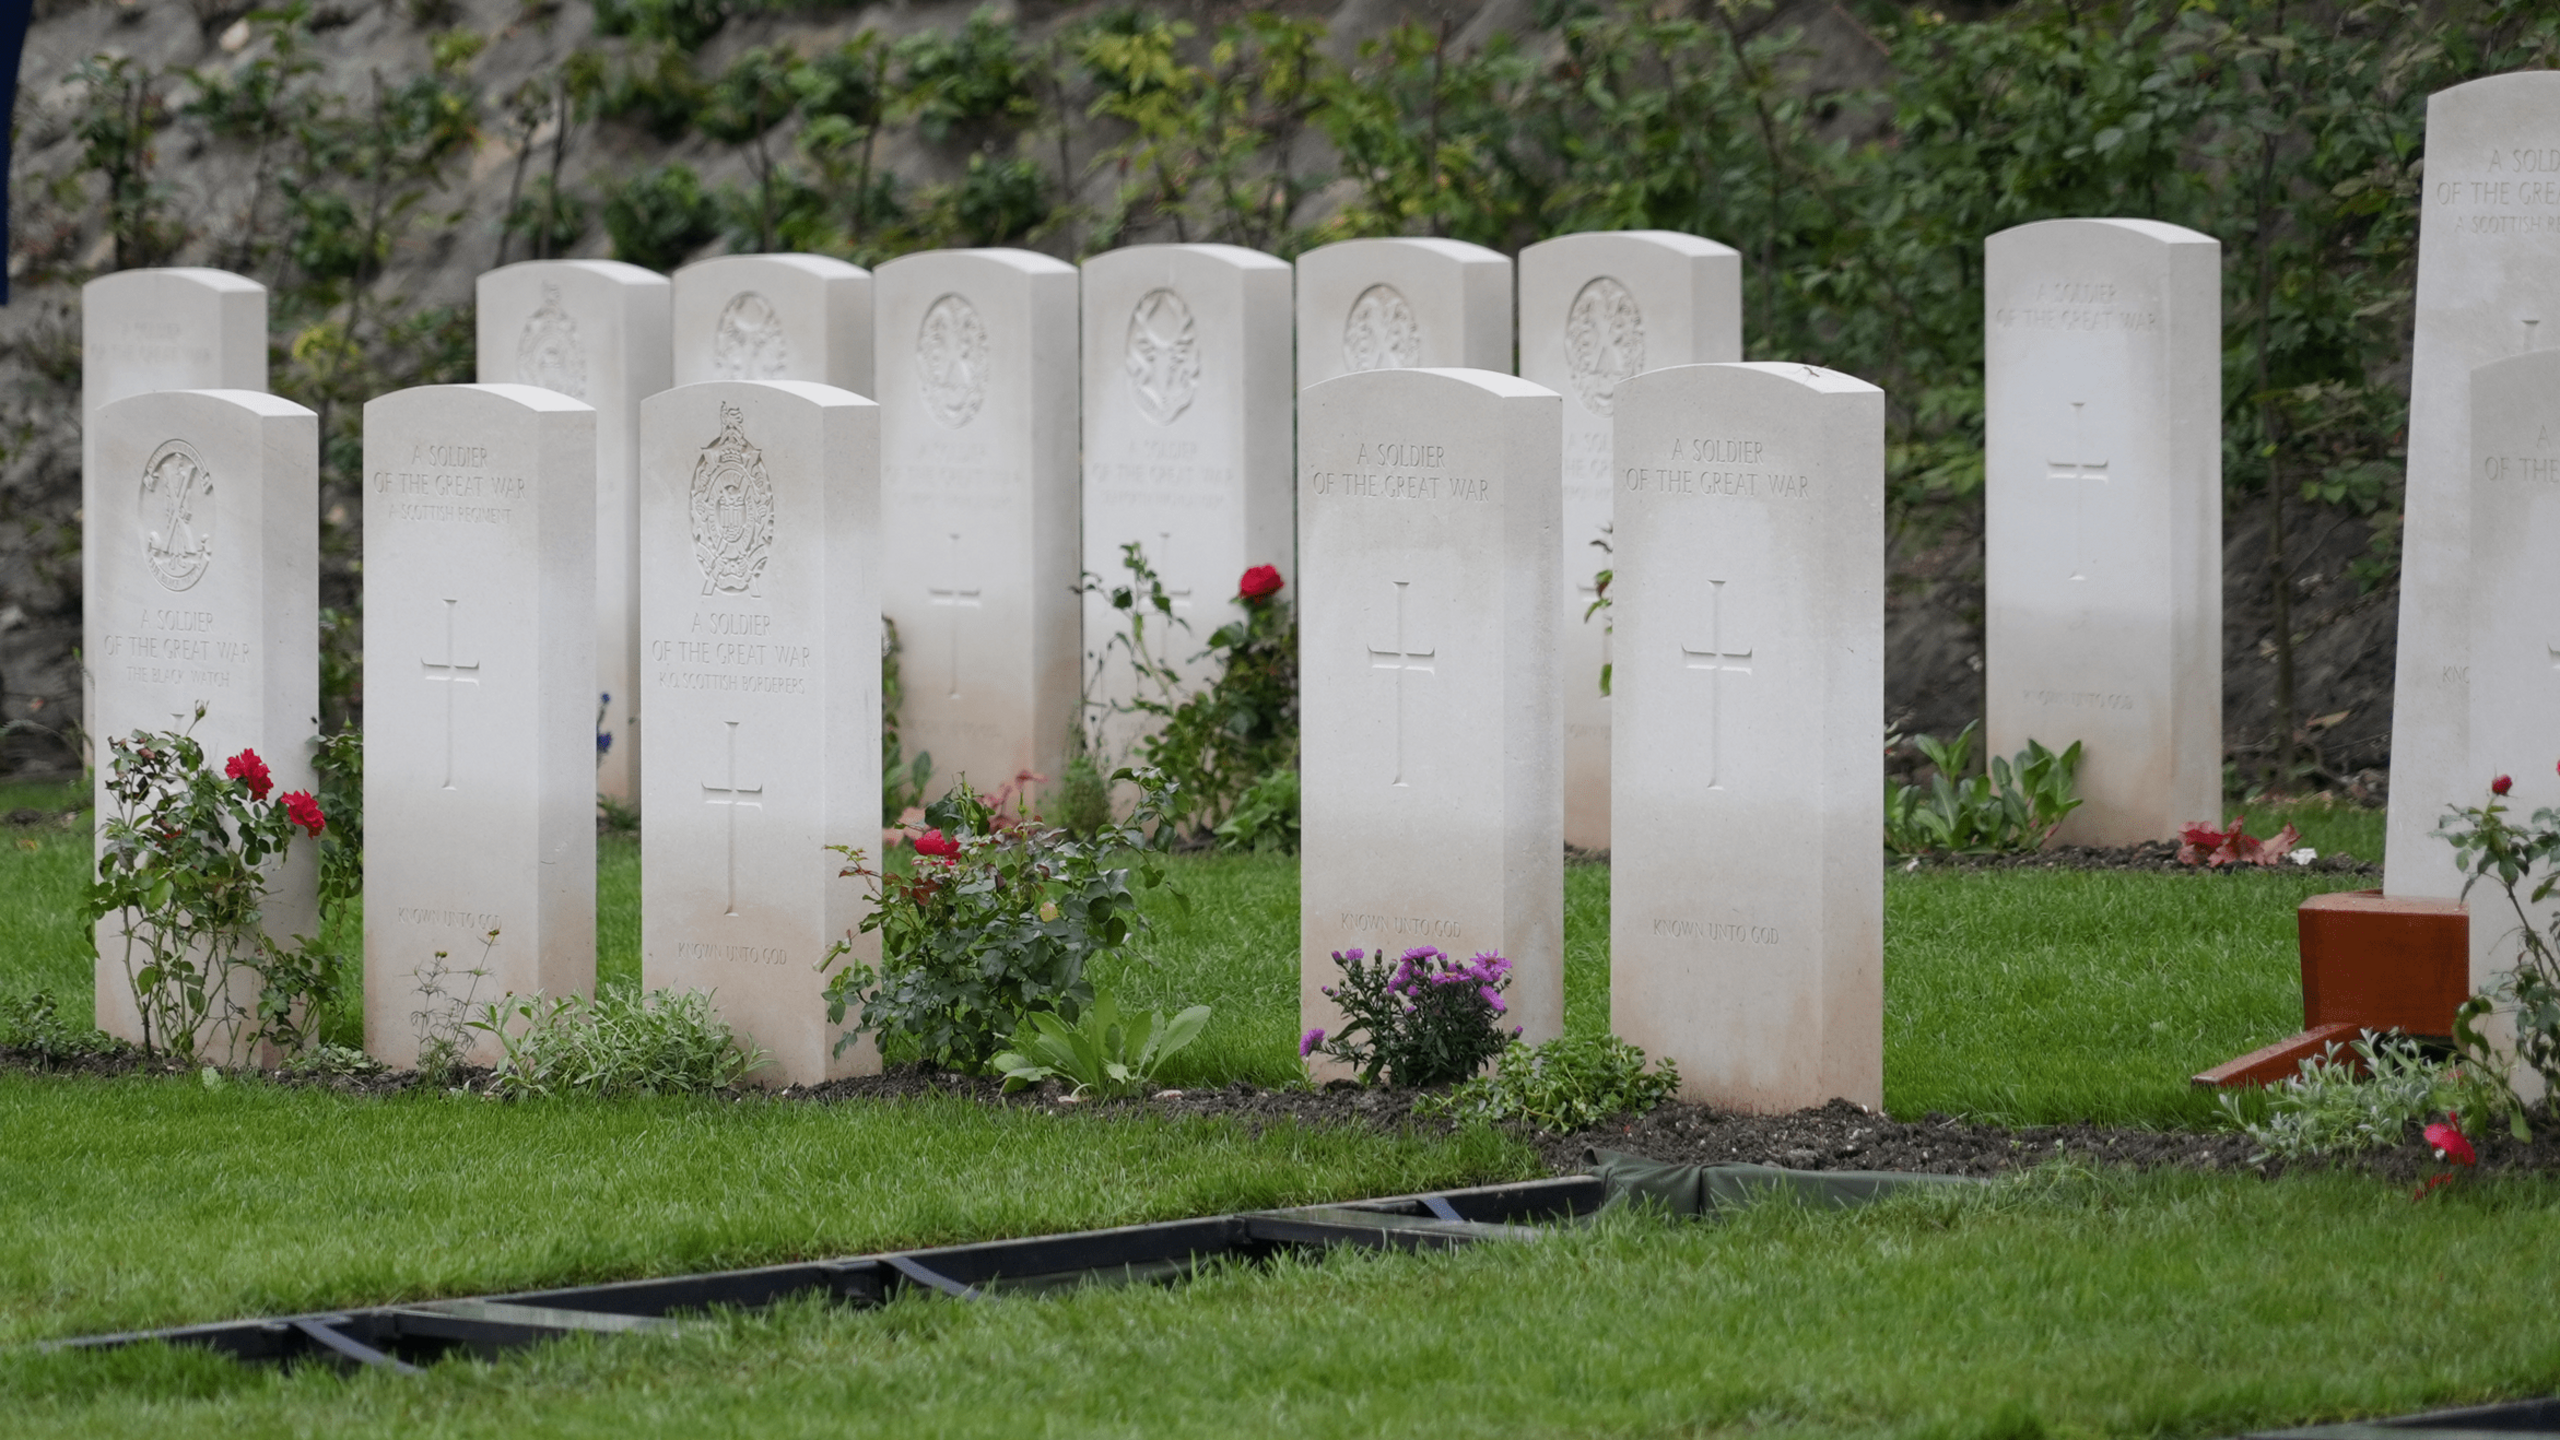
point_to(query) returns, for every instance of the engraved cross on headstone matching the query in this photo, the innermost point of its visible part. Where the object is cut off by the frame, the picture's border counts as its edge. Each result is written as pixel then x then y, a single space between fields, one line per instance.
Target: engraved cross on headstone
pixel 952 598
pixel 2077 471
pixel 1718 662
pixel 734 797
pixel 1401 659
pixel 455 674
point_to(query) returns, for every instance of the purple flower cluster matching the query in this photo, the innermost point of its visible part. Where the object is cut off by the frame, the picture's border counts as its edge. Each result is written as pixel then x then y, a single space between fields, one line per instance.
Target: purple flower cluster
pixel 1429 965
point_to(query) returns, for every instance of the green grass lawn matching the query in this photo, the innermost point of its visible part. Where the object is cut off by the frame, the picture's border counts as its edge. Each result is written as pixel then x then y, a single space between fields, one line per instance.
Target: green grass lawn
pixel 2055 1305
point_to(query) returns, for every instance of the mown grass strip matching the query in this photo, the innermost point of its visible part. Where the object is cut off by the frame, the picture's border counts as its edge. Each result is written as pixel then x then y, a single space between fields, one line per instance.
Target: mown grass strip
pixel 2088 1305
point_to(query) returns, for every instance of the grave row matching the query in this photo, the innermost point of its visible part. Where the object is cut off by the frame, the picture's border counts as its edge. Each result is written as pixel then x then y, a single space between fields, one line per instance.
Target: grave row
pixel 672 497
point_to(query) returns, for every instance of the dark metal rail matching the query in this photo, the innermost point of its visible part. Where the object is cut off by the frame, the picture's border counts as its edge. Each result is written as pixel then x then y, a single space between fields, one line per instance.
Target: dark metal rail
pixel 401 1337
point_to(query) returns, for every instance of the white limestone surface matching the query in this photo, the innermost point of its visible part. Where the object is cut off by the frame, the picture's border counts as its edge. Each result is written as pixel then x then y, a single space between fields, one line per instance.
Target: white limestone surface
pixel 596 331
pixel 773 317
pixel 1432 805
pixel 2102 497
pixel 760 638
pixel 979 497
pixel 2488 288
pixel 1746 930
pixel 479 739
pixel 1398 304
pixel 1189 403
pixel 2514 642
pixel 201 541
pixel 1596 310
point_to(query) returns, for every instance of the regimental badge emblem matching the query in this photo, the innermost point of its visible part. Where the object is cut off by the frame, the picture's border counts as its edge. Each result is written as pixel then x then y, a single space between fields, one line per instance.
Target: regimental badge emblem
pixel 1164 356
pixel 732 505
pixel 951 360
pixel 177 515
pixel 1603 342
pixel 549 352
pixel 747 343
pixel 1381 333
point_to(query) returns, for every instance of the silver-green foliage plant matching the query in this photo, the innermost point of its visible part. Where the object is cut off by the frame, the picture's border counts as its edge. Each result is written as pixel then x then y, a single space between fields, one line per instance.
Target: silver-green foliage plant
pixel 2014 809
pixel 2364 1097
pixel 619 1043
pixel 1099 1052
pixel 1567 1084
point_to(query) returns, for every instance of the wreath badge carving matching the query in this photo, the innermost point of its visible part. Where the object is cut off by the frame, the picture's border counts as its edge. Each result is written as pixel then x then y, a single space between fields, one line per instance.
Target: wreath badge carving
pixel 1603 342
pixel 747 342
pixel 951 360
pixel 1381 332
pixel 732 508
pixel 549 352
pixel 1163 358
pixel 177 515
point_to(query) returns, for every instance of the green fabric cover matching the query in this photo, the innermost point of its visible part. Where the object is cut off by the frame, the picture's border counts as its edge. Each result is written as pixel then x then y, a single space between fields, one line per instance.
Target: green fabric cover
pixel 1710 1190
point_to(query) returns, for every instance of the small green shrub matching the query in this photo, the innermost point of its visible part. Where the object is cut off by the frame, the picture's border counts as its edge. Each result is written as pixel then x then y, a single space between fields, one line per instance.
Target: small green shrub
pixel 1265 821
pixel 1083 801
pixel 685 23
pixel 619 1043
pixel 1097 1052
pixel 655 90
pixel 34 1026
pixel 2014 809
pixel 660 216
pixel 2329 1108
pixel 2488 846
pixel 974 74
pixel 1567 1084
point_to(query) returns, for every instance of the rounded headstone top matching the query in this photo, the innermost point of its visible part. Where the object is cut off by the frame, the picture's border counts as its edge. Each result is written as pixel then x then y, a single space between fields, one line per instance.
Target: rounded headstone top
pixel 256 402
pixel 219 281
pixel 1812 378
pixel 529 397
pixel 1492 382
pixel 1460 250
pixel 1128 256
pixel 617 271
pixel 824 267
pixel 1027 262
pixel 2158 230
pixel 1679 242
pixel 815 392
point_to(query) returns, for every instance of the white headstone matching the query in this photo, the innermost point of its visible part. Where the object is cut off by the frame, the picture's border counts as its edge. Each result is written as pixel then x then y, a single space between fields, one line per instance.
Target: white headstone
pixel 2515 618
pixel 479 749
pixel 1746 923
pixel 1432 807
pixel 773 317
pixel 2488 288
pixel 1401 304
pixel 978 507
pixel 175 329
pixel 596 331
pixel 202 539
pixel 760 633
pixel 1188 406
pixel 1596 310
pixel 2102 498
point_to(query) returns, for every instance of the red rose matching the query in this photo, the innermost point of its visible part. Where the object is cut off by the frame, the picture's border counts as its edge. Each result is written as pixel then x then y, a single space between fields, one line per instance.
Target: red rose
pixel 2449 1141
pixel 247 768
pixel 304 811
pixel 1260 583
pixel 934 842
pixel 2502 785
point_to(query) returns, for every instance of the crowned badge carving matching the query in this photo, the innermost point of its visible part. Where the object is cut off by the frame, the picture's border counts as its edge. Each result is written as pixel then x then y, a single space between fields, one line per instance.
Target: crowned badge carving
pixel 1381 333
pixel 951 360
pixel 732 505
pixel 549 352
pixel 1164 356
pixel 177 515
pixel 1603 342
pixel 747 342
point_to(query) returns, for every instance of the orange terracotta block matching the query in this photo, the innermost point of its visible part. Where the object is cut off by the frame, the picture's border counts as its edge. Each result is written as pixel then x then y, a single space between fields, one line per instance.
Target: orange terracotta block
pixel 2381 963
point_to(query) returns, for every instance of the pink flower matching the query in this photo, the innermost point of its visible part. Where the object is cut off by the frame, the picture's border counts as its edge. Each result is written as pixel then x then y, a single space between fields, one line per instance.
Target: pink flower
pixel 1308 1042
pixel 1260 583
pixel 935 843
pixel 251 771
pixel 2449 1142
pixel 2502 785
pixel 304 811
